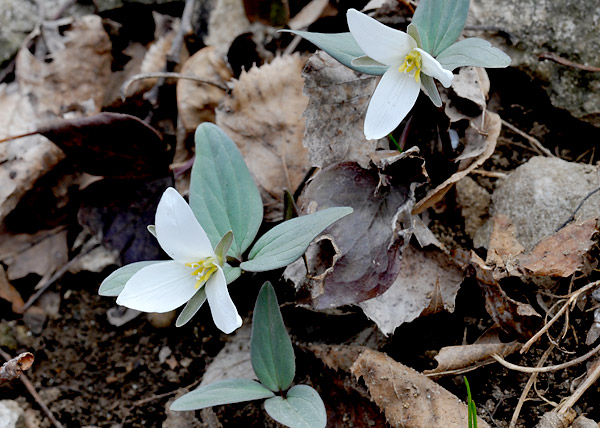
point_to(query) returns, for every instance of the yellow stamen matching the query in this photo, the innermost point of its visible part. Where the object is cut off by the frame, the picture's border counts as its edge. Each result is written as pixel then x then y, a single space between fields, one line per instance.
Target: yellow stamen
pixel 203 270
pixel 412 61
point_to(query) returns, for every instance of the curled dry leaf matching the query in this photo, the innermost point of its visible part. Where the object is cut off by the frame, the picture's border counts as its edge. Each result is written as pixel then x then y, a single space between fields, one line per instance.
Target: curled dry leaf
pixel 263 116
pixel 196 102
pixel 12 369
pixel 227 21
pixel 503 247
pixel 427 282
pixel 43 258
pixel 470 88
pixel 337 101
pixel 357 258
pixel 482 141
pixel 10 293
pixel 62 81
pixel 408 398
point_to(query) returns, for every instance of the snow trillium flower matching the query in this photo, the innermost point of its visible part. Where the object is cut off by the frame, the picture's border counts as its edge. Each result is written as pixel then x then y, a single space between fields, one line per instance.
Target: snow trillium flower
pixel 399 87
pixel 165 286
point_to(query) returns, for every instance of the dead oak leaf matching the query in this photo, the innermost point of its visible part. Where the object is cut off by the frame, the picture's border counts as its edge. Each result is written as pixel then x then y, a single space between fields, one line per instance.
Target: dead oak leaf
pixel 263 116
pixel 10 293
pixel 408 398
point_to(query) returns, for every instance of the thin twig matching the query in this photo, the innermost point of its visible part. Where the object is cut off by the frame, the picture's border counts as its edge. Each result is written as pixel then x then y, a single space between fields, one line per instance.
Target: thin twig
pixel 571 298
pixel 525 393
pixel 185 26
pixel 166 75
pixel 491 174
pixel 589 381
pixel 559 59
pixel 34 394
pixel 547 369
pixel 534 141
pixel 166 394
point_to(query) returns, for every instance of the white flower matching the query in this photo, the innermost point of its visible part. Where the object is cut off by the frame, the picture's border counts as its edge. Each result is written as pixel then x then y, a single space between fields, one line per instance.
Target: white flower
pixel 399 87
pixel 165 286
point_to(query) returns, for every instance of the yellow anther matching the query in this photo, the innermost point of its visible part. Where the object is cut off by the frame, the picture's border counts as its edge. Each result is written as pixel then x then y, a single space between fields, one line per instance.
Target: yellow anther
pixel 203 270
pixel 412 61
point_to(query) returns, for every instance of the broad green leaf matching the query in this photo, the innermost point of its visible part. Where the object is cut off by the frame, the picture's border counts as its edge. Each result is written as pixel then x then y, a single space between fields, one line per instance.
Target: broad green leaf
pixel 287 241
pixel 343 48
pixel 440 23
pixel 115 282
pixel 223 195
pixel 473 52
pixel 223 247
pixel 231 273
pixel 271 349
pixel 302 408
pixel 191 308
pixel 223 392
pixel 431 90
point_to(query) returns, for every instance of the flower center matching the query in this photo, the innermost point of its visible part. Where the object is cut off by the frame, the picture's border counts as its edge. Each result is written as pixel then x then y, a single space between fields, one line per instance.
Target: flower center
pixel 203 269
pixel 412 64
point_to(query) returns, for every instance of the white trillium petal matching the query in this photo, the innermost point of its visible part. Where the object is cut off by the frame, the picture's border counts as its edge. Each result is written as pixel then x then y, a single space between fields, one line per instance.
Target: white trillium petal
pixel 159 288
pixel 223 310
pixel 393 98
pixel 433 68
pixel 178 231
pixel 378 41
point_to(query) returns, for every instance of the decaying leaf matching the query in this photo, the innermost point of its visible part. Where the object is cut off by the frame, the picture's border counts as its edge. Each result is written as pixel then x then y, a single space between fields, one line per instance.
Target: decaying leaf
pixel 10 294
pixel 314 10
pixel 233 361
pixel 427 280
pixel 561 254
pixel 196 102
pixel 227 21
pixel 503 247
pixel 337 101
pixel 358 256
pixel 15 367
pixel 470 86
pixel 263 116
pixel 22 161
pixel 408 398
pixel 110 144
pixel 71 79
pixel 463 358
pixel 479 142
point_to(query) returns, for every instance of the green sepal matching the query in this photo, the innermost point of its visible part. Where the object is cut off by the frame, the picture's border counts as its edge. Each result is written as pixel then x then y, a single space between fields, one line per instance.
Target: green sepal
pixel 431 89
pixel 271 349
pixel 192 307
pixel 223 247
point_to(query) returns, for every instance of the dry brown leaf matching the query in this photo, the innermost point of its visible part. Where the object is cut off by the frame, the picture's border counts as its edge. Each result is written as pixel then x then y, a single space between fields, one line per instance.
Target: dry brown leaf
pixel 459 359
pixel 408 398
pixel 15 367
pixel 337 101
pixel 71 79
pixel 561 254
pixel 486 137
pixel 10 293
pixel 503 247
pixel 263 116
pixel 25 160
pixel 43 258
pixel 196 102
pixel 227 21
pixel 471 86
pixel 428 282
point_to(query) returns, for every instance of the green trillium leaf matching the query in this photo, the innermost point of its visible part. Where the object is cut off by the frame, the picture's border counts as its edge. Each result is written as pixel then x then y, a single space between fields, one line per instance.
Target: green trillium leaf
pixel 473 52
pixel 114 283
pixel 440 23
pixel 223 392
pixel 343 48
pixel 191 307
pixel 271 349
pixel 231 273
pixel 302 408
pixel 223 195
pixel 287 241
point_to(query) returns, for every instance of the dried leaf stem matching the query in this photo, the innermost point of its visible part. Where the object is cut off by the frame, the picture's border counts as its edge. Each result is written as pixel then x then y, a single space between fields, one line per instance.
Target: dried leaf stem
pixel 535 143
pixel 554 57
pixel 166 75
pixel 589 381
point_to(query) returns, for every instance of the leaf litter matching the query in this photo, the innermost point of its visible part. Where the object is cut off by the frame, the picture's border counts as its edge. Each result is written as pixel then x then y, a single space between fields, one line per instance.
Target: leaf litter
pixel 503 242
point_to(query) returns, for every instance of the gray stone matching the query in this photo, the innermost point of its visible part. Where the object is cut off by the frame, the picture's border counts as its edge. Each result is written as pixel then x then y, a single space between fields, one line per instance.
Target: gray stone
pixel 11 415
pixel 568 28
pixel 542 194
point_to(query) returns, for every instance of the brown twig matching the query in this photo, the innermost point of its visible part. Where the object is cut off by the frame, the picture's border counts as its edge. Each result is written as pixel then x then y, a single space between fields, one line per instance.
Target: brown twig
pixel 589 381
pixel 34 393
pixel 15 367
pixel 547 369
pixel 559 59
pixel 535 143
pixel 166 75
